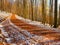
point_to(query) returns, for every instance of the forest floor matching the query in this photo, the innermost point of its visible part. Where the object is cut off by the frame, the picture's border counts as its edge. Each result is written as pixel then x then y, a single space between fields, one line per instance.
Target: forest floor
pixel 28 32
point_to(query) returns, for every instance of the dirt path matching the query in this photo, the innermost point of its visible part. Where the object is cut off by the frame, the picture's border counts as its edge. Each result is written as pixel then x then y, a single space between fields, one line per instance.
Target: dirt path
pixel 32 28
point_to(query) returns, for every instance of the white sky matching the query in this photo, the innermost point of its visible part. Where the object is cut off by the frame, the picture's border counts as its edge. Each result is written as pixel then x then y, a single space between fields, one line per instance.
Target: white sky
pixel 58 1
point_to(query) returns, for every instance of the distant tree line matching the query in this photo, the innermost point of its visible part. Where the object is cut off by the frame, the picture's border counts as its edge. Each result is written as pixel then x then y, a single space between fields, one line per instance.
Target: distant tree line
pixel 36 10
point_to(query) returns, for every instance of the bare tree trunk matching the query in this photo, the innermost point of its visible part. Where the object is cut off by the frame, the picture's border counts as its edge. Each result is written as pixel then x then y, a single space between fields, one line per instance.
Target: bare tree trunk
pixel 43 12
pixel 0 4
pixel 51 13
pixel 32 8
pixel 24 8
pixel 59 16
pixel 55 14
pixel 36 7
pixel 17 7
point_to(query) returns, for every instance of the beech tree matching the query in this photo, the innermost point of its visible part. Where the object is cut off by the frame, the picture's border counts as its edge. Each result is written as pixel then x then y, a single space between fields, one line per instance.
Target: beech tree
pixel 59 16
pixel 51 13
pixel 43 11
pixel 55 14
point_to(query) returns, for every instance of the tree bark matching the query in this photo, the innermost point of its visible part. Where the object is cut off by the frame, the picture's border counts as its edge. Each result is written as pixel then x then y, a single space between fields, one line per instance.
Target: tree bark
pixel 32 8
pixel 59 16
pixel 43 12
pixel 55 14
pixel 51 13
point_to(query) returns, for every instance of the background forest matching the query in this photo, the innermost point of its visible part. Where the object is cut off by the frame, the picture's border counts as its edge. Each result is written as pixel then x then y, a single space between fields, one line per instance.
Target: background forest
pixel 45 11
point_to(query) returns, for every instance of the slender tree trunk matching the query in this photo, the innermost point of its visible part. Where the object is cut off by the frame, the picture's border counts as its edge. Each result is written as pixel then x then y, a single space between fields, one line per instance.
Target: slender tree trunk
pixel 55 14
pixel 17 6
pixel 59 16
pixel 43 12
pixel 24 8
pixel 32 8
pixel 0 4
pixel 36 6
pixel 51 13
